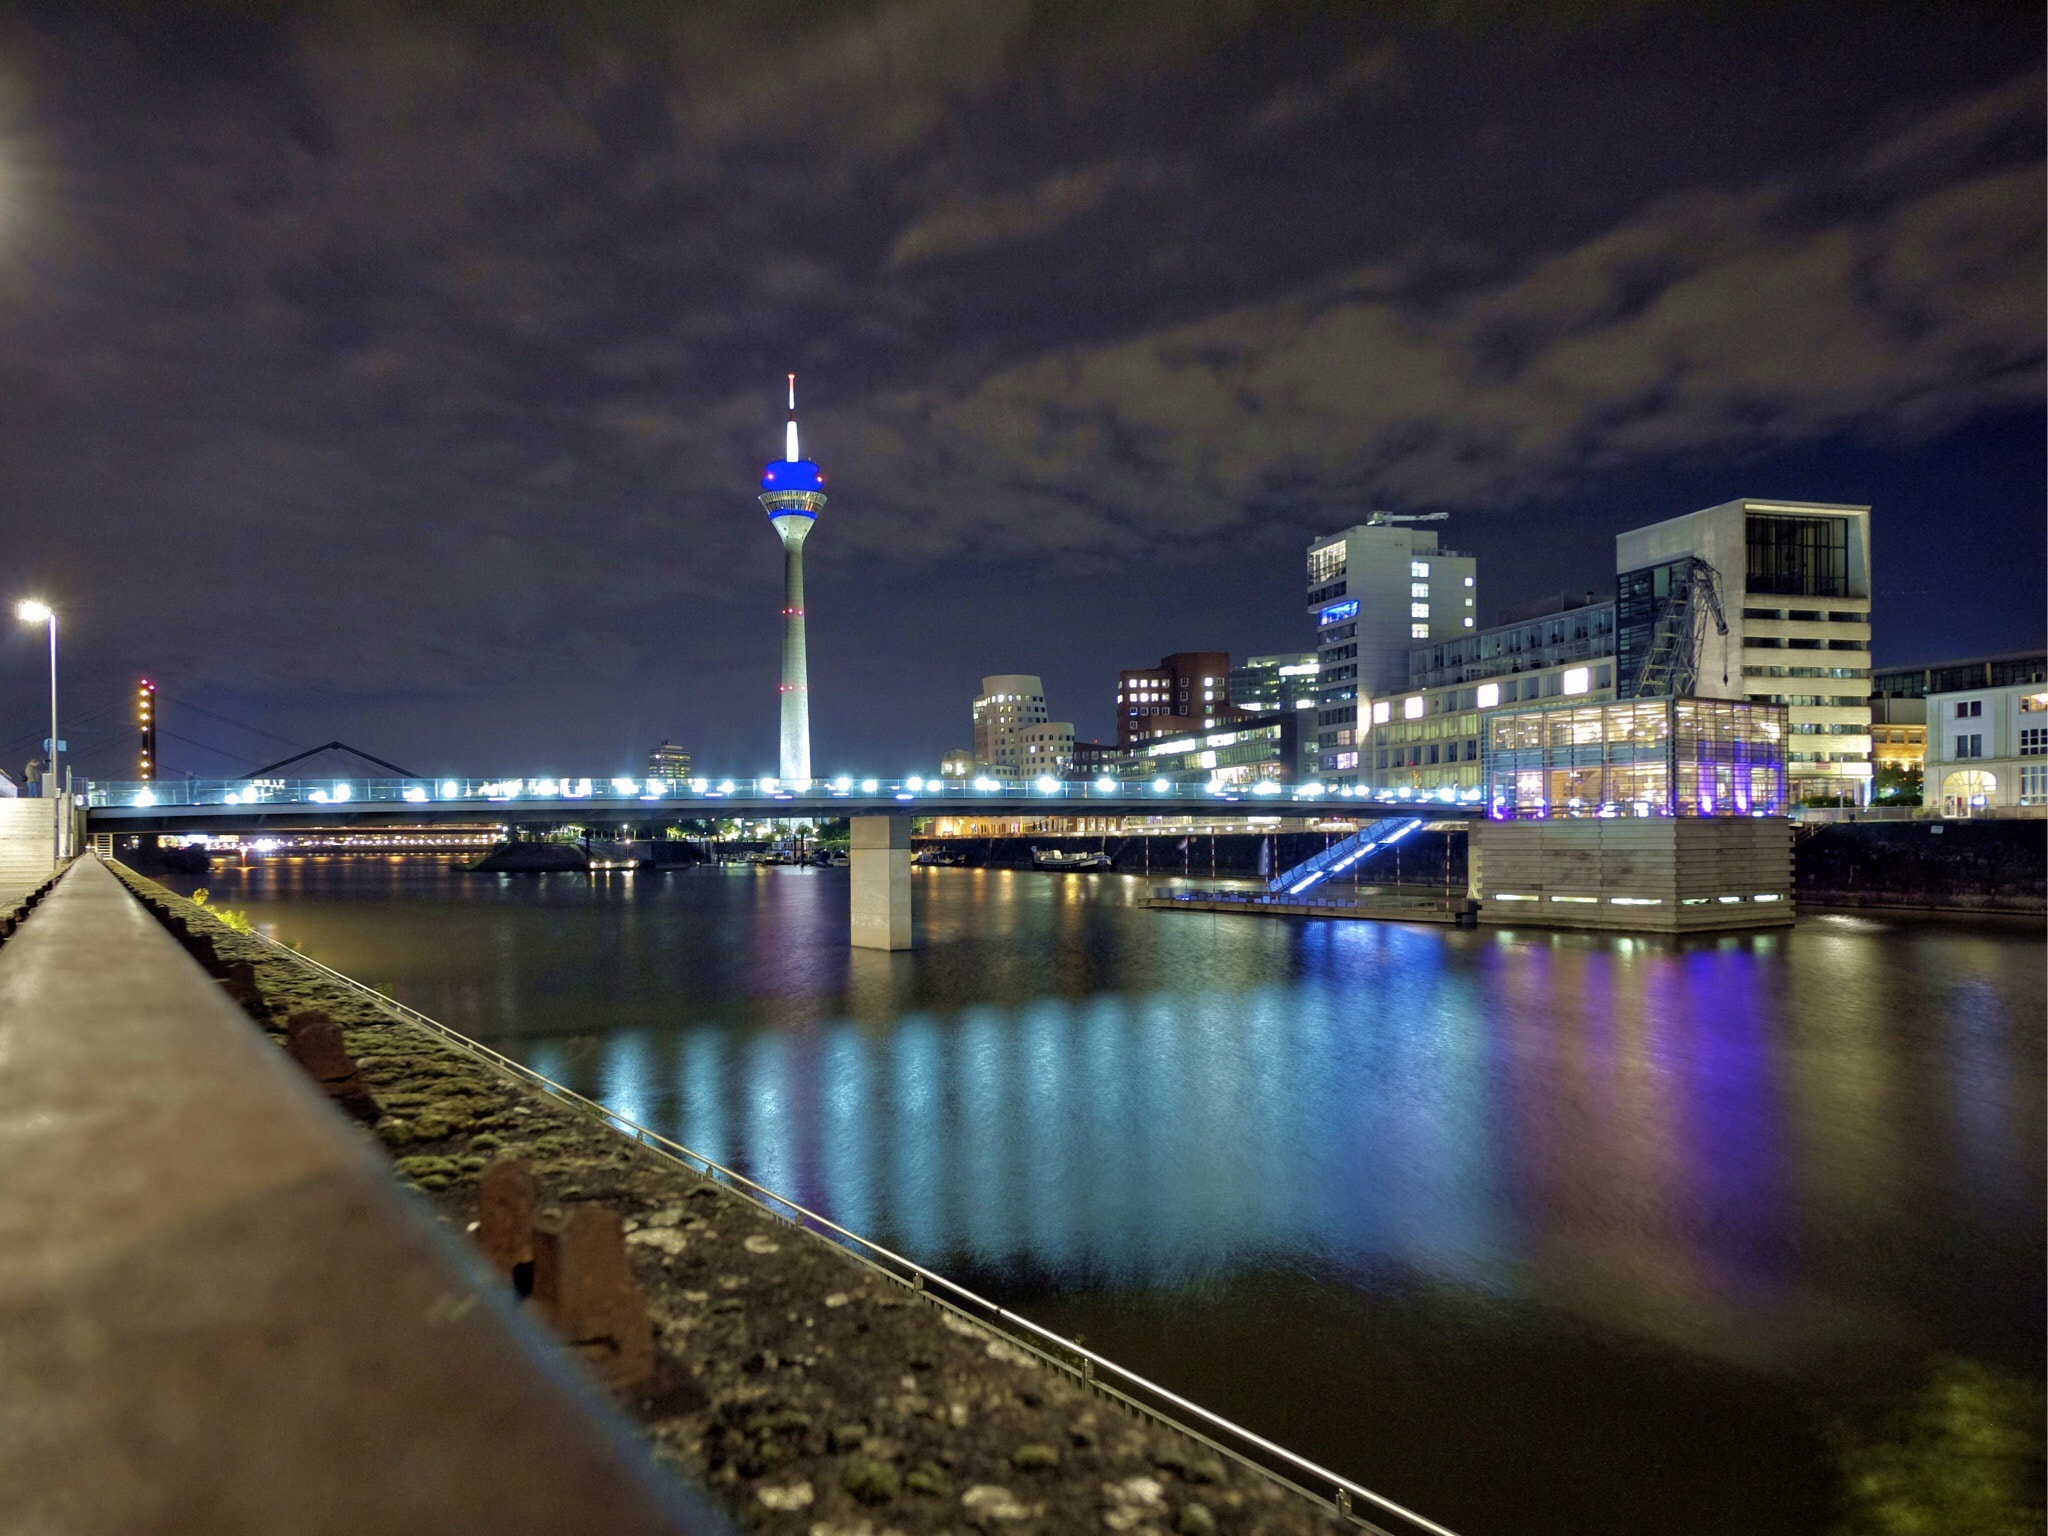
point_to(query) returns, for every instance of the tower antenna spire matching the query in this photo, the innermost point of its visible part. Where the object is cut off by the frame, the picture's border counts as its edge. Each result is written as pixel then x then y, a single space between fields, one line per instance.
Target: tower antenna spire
pixel 789 448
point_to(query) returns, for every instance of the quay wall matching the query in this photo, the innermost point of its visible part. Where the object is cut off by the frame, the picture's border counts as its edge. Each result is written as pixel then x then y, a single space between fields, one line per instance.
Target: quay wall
pixel 816 1393
pixel 1957 866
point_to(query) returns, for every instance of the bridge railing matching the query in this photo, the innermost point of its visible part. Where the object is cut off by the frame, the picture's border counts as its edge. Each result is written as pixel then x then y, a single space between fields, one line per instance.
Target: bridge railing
pixel 702 796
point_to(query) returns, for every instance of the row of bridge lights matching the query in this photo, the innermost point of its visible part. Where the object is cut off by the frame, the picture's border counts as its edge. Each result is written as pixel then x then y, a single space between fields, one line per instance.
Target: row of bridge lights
pixel 656 789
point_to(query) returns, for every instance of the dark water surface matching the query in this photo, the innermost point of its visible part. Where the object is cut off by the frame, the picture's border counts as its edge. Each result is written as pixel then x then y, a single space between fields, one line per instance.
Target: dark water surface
pixel 1534 1232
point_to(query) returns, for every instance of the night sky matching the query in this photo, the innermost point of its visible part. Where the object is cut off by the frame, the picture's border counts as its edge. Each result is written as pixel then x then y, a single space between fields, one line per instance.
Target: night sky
pixel 391 374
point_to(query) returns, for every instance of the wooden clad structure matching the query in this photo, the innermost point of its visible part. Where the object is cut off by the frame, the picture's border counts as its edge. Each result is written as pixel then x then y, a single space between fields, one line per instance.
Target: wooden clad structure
pixel 1658 874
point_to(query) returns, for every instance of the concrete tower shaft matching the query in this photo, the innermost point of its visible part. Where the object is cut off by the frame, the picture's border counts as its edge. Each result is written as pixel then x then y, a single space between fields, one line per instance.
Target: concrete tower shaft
pixel 796 675
pixel 792 492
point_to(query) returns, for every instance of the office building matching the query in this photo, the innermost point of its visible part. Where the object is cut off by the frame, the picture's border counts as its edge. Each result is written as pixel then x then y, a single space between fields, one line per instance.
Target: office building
pixel 670 762
pixel 1012 736
pixel 1247 754
pixel 1092 759
pixel 793 494
pixel 1375 592
pixel 1187 691
pixel 1792 584
pixel 1557 633
pixel 1987 749
pixel 1267 686
pixel 1427 743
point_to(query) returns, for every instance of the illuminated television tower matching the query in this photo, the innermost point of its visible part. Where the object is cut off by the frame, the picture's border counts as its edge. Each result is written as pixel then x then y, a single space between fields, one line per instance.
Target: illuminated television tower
pixel 793 492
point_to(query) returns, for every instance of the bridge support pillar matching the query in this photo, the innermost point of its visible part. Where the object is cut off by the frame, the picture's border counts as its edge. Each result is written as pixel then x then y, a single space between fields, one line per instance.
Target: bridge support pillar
pixel 879 857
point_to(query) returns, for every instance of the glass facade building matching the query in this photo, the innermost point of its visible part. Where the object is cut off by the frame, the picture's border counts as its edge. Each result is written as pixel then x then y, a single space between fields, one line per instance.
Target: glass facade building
pixel 1636 757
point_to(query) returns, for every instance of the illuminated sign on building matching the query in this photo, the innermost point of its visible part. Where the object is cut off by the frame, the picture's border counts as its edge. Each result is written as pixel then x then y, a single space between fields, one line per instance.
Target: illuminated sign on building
pixel 1337 613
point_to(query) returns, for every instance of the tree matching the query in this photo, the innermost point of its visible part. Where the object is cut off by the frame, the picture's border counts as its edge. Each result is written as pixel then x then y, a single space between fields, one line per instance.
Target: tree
pixel 1897 784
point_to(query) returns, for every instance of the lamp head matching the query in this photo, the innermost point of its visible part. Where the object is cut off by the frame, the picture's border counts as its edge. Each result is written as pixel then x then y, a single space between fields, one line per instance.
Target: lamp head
pixel 29 611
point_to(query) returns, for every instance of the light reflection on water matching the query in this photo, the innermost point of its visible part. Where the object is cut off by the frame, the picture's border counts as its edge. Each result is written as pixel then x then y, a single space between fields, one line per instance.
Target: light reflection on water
pixel 1559 1200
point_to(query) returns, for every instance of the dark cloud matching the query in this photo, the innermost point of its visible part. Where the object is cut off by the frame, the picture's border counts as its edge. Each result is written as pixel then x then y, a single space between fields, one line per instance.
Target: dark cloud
pixel 388 355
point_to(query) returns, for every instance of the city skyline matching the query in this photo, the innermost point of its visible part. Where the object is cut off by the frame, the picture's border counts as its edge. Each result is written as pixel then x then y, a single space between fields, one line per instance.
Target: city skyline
pixel 426 453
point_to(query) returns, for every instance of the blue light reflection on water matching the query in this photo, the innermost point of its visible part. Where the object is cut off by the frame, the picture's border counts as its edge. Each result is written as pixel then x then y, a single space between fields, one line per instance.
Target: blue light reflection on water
pixel 1150 1139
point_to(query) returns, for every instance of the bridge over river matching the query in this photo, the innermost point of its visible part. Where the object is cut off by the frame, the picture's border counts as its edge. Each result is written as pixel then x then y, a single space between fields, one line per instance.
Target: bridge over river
pixel 1598 867
pixel 879 811
pixel 251 805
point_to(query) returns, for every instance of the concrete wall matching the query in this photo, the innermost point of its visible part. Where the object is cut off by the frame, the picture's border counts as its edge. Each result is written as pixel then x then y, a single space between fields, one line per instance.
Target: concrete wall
pixel 1654 874
pixel 1964 866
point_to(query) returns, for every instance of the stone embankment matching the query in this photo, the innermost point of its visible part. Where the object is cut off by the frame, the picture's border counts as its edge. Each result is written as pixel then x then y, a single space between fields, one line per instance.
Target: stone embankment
pixel 1941 866
pixel 815 1393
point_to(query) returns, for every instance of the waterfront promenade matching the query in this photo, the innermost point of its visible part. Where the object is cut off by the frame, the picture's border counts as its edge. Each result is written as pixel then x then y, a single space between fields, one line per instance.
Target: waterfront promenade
pixel 185 1191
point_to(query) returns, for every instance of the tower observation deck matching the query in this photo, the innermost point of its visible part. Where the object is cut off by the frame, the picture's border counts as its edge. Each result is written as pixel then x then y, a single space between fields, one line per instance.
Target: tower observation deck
pixel 793 492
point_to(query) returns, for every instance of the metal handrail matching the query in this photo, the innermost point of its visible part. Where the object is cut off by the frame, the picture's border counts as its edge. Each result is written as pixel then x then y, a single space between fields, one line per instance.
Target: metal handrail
pixel 1040 1341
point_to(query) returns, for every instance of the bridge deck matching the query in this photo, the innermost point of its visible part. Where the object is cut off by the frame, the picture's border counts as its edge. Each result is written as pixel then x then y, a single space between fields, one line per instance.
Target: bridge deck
pixel 232 804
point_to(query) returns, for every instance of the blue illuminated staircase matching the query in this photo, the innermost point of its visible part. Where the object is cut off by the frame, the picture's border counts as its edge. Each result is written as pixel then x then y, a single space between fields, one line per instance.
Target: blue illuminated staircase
pixel 1340 856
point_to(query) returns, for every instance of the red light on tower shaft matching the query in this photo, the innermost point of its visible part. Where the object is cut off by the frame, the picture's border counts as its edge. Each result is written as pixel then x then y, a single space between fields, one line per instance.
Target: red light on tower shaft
pixel 145 717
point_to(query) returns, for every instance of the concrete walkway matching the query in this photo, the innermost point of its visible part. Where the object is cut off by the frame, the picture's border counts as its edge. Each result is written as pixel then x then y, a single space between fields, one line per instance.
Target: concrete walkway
pixel 219 1314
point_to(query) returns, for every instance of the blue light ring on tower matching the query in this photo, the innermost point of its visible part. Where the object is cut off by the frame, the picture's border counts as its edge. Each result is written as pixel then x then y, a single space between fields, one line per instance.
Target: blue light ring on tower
pixel 793 503
pixel 792 475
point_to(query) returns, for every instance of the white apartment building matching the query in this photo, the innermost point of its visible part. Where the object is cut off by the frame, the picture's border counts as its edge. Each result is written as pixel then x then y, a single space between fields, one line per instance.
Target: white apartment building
pixel 1375 592
pixel 1987 751
pixel 1794 581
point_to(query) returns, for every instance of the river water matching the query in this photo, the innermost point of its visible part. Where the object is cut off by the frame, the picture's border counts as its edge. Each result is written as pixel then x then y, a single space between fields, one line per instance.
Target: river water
pixel 1534 1232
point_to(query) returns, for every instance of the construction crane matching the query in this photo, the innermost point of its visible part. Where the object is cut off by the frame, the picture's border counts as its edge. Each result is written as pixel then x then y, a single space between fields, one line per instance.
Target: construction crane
pixel 1671 669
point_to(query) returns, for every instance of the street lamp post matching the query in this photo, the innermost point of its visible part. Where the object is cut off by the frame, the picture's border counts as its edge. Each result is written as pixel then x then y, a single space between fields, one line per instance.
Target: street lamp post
pixel 29 611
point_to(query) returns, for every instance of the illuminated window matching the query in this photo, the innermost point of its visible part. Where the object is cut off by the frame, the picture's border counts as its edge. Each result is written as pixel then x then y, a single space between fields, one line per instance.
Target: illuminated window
pixel 1418 589
pixel 1489 695
pixel 1418 567
pixel 1418 610
pixel 1382 712
pixel 1412 708
pixel 1418 631
pixel 1468 621
pixel 1578 680
pixel 1468 581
